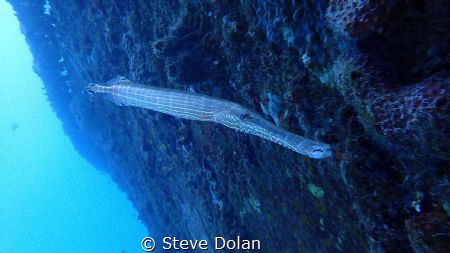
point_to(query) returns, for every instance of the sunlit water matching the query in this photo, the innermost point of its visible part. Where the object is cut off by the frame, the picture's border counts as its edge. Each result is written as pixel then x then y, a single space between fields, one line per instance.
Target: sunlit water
pixel 51 199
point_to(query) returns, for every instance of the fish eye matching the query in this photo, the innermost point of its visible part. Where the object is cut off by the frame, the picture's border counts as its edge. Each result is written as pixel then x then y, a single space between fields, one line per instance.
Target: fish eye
pixel 245 116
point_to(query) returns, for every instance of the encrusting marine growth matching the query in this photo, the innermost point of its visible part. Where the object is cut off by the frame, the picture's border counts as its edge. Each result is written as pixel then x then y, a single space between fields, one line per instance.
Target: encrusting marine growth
pixel 193 106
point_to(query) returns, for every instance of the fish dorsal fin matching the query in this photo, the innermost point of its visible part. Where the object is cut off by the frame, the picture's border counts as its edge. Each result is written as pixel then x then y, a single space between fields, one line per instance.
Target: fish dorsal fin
pixel 118 80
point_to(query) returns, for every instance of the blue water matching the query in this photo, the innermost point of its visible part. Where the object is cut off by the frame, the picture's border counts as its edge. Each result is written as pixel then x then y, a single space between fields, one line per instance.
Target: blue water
pixel 51 199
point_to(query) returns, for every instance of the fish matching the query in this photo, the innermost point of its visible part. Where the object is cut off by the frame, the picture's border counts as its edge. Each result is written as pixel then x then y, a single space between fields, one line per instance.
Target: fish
pixel 193 106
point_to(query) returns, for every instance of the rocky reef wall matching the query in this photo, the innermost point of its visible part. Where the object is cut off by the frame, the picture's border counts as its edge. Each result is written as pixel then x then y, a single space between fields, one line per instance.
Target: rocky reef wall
pixel 369 77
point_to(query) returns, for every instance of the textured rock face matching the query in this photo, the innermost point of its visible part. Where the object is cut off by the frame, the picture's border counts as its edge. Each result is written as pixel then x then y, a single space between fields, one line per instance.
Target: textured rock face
pixel 367 77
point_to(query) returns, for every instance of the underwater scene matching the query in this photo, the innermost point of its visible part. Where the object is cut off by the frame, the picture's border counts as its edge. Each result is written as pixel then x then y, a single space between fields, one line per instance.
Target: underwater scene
pixel 225 126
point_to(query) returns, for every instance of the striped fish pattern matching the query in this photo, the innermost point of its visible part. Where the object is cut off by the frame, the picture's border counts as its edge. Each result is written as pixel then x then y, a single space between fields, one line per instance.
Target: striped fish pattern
pixel 187 105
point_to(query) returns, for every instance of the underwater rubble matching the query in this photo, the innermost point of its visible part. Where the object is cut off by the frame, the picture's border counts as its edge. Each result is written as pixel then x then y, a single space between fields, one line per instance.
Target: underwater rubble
pixel 371 78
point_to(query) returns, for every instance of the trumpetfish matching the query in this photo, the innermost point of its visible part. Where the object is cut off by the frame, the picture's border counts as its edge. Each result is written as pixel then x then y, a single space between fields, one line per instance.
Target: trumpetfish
pixel 188 105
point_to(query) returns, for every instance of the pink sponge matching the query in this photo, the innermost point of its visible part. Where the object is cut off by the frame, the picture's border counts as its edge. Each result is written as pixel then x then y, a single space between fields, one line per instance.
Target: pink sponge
pixel 399 113
pixel 358 18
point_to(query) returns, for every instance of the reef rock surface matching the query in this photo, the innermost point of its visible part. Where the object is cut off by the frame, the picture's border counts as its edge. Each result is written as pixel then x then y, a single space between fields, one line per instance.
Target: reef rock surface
pixel 369 77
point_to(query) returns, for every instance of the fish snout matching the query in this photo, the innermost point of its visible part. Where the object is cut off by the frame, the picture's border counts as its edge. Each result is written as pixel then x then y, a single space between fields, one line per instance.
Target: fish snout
pixel 315 150
pixel 322 151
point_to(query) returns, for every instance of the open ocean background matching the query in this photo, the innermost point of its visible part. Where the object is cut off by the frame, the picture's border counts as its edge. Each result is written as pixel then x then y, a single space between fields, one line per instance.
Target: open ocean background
pixel 51 199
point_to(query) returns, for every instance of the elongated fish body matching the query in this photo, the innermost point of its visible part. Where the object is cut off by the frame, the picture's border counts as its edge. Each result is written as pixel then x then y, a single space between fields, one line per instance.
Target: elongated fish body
pixel 187 105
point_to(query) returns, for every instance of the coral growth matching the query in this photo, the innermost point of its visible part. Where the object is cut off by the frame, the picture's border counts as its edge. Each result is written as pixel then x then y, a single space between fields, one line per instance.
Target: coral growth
pixel 86 44
pixel 97 4
pixel 378 73
pixel 298 24
pixel 429 232
pixel 401 113
pixel 358 18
